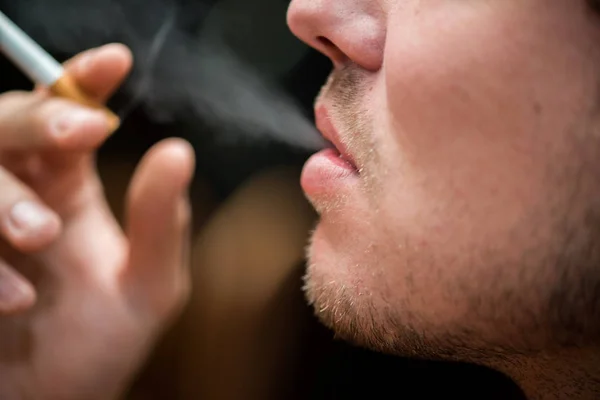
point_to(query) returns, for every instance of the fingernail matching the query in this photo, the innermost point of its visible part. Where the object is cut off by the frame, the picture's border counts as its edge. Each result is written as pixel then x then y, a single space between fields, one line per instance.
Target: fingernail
pixel 72 119
pixel 28 218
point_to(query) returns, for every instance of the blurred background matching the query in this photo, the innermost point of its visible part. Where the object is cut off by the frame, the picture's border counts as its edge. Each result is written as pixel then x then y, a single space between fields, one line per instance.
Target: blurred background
pixel 229 77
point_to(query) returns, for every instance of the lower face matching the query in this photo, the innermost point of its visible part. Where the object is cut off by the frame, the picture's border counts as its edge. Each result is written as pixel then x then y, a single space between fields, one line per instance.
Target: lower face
pixel 472 212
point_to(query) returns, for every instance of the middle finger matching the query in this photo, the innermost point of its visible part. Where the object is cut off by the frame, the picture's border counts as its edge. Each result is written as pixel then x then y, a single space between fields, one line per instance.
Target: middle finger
pixel 36 121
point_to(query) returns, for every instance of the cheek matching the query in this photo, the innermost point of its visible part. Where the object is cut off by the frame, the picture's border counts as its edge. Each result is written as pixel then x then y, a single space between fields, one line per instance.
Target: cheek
pixel 454 78
pixel 476 107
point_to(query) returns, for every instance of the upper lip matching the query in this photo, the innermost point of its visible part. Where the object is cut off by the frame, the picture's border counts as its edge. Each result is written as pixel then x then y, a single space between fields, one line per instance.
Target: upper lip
pixel 330 133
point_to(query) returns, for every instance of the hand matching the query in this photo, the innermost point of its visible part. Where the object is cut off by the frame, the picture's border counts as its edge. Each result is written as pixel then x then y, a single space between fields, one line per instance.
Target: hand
pixel 81 301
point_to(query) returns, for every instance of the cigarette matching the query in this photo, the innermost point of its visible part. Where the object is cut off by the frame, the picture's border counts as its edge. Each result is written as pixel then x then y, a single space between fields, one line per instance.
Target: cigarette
pixel 43 69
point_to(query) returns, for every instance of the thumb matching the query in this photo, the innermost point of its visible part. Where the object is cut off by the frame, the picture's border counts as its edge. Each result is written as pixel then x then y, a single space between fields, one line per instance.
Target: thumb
pixel 158 220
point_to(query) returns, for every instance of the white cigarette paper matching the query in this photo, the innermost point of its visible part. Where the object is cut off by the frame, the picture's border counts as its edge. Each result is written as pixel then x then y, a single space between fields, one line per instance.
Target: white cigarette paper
pixel 23 51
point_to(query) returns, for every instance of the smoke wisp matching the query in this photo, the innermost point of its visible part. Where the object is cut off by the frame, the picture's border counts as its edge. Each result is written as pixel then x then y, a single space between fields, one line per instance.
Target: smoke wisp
pixel 176 75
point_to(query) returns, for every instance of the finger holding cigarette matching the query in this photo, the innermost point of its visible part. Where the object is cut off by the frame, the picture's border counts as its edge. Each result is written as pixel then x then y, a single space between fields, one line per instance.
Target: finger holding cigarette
pixel 43 141
pixel 44 70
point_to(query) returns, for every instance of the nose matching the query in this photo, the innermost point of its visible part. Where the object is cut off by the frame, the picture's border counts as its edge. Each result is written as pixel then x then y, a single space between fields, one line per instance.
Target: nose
pixel 343 30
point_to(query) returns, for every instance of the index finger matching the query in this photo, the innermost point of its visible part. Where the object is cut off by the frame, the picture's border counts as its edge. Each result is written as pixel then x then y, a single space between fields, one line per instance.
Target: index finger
pixel 99 72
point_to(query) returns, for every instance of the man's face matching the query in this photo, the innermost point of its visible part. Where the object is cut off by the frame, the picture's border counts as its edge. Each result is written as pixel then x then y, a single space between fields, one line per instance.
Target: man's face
pixel 471 219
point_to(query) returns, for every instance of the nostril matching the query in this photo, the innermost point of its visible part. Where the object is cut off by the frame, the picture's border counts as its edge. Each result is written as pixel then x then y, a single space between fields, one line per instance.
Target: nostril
pixel 325 42
pixel 331 50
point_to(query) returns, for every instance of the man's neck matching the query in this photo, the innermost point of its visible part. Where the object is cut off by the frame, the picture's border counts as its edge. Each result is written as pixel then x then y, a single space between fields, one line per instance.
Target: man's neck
pixel 571 375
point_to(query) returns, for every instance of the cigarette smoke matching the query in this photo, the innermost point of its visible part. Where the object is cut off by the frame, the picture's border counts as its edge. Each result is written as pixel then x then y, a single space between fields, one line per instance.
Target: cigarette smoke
pixel 176 76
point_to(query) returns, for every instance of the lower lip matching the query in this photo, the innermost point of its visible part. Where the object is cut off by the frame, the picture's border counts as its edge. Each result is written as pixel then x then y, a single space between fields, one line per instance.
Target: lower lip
pixel 325 171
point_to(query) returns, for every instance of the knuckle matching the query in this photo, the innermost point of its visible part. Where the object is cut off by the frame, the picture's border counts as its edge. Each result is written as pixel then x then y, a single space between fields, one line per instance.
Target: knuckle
pixel 43 122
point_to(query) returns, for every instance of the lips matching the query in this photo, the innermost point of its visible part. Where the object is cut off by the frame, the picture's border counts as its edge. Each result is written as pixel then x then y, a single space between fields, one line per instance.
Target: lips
pixel 327 129
pixel 331 173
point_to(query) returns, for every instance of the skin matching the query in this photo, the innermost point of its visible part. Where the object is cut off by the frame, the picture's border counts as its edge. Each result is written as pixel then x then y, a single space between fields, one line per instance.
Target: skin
pixel 82 301
pixel 473 230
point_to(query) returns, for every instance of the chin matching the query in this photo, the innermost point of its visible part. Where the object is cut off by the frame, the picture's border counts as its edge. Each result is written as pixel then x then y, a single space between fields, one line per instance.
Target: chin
pixel 340 300
pixel 332 250
pixel 339 281
pixel 356 287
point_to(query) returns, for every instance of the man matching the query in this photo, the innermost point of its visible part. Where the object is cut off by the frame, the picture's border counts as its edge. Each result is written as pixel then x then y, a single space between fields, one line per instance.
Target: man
pixel 459 211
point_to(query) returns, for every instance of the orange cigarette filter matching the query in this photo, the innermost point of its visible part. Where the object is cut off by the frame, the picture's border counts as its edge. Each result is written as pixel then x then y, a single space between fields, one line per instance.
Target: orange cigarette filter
pixel 66 87
pixel 43 69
